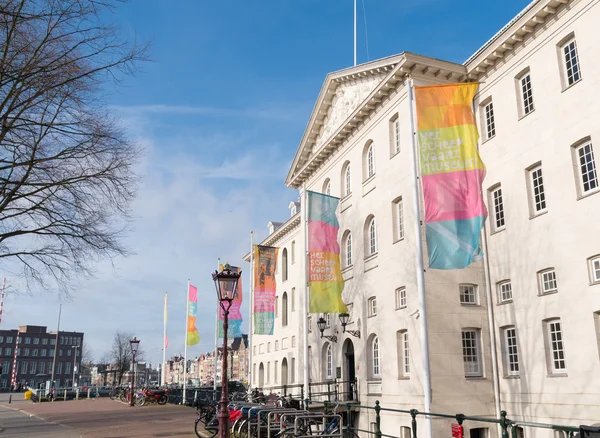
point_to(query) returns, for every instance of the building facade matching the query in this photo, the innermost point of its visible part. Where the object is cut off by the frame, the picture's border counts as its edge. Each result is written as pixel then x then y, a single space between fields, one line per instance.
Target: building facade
pixel 35 354
pixel 520 335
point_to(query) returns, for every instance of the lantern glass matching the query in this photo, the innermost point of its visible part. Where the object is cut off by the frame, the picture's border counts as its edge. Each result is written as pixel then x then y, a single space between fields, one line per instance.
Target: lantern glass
pixel 135 343
pixel 226 283
pixel 344 317
pixel 321 323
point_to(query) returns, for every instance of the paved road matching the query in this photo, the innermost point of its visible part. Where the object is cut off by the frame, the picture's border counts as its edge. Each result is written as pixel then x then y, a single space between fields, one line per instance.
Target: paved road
pixel 100 418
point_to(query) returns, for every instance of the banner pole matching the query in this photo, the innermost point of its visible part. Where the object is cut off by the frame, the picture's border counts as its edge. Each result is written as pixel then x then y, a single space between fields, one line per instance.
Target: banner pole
pixel 250 309
pixel 304 208
pixel 216 337
pixel 164 358
pixel 187 293
pixel 419 266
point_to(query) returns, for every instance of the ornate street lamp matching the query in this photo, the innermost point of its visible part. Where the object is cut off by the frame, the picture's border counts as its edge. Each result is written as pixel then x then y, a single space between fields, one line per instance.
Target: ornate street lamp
pixel 344 317
pixel 321 323
pixel 226 283
pixel 135 343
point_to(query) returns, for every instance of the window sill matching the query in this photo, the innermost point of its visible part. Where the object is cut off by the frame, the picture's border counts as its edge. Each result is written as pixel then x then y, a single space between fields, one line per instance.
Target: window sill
pixel 475 378
pixel 372 316
pixel 470 304
pixel 369 185
pixel 401 308
pixel 538 214
pixel 557 375
pixel 502 303
pixel 588 193
pixel 398 240
pixel 509 377
pixel 497 231
pixel 568 87
pixel 552 292
pixel 595 283
pixel 522 116
pixel 395 153
pixel 488 139
pixel 371 262
pixel 404 378
pixel 345 203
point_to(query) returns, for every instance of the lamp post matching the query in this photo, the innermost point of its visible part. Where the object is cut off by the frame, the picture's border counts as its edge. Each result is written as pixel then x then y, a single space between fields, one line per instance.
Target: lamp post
pixel 321 323
pixel 344 317
pixel 135 343
pixel 75 347
pixel 226 283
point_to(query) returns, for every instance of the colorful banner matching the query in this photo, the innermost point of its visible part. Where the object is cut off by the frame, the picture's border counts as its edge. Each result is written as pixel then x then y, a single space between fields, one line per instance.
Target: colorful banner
pixel 325 275
pixel 193 337
pixel 235 314
pixel 451 174
pixel 265 287
pixel 165 323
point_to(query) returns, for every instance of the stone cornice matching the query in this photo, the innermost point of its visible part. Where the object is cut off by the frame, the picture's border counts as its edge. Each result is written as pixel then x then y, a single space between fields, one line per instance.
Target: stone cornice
pixel 308 160
pixel 287 227
pixel 507 39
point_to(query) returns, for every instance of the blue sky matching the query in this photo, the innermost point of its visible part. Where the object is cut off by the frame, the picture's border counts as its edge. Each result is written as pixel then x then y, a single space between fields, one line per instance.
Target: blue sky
pixel 220 112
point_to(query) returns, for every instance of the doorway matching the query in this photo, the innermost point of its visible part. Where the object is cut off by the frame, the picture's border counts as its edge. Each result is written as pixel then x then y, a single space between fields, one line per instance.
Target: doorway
pixel 350 369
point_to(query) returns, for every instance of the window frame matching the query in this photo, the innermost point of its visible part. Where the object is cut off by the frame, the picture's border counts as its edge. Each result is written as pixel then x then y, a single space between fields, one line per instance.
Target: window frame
pixel 346 180
pixel 542 281
pixel 512 366
pixel 403 350
pixel 461 288
pixel 498 214
pixel 327 187
pixel 526 100
pixel 395 143
pixel 328 361
pixel 371 244
pixel 551 352
pixel 564 61
pixel 284 265
pixel 369 161
pixel 499 285
pixel 589 171
pixel 375 358
pixel 488 118
pixel 401 300
pixel 284 309
pixel 593 270
pixel 399 231
pixel 536 182
pixel 476 339
pixel 347 250
pixel 372 306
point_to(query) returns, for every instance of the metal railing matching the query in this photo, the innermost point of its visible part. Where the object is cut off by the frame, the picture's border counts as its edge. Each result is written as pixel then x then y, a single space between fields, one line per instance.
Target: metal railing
pixel 328 390
pixel 509 428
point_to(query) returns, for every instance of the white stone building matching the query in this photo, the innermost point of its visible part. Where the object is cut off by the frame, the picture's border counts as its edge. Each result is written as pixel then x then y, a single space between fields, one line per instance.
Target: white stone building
pixel 538 112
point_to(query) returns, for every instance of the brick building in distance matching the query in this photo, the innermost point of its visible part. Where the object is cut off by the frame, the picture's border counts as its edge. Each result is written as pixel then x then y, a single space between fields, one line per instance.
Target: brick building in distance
pixel 35 353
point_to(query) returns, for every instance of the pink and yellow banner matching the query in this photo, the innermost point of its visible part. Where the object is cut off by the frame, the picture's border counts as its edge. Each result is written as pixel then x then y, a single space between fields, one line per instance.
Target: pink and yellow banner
pixel 451 174
pixel 265 288
pixel 325 275
pixel 193 337
pixel 235 314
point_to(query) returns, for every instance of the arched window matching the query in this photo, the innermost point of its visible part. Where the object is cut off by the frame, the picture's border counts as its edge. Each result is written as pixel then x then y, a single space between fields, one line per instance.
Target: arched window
pixel 284 309
pixel 347 250
pixel 327 187
pixel 328 361
pixel 284 263
pixel 370 237
pixel 375 358
pixel 346 180
pixel 369 160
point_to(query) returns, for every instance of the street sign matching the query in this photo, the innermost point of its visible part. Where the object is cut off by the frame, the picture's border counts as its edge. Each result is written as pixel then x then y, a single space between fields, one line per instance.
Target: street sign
pixel 457 431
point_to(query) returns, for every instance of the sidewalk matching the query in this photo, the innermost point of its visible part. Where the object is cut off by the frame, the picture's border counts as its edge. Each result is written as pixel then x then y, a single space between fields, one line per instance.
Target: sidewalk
pixel 16 423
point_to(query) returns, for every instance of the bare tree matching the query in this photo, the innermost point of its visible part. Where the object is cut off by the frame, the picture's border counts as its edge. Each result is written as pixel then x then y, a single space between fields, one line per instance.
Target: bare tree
pixel 120 354
pixel 66 177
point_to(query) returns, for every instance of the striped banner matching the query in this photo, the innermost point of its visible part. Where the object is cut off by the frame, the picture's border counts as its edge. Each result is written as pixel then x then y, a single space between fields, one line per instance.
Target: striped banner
pixel 235 314
pixel 265 287
pixel 452 173
pixel 325 275
pixel 193 337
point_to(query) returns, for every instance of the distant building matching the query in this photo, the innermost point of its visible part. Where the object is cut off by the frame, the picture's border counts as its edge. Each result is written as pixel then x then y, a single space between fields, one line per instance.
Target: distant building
pixel 35 353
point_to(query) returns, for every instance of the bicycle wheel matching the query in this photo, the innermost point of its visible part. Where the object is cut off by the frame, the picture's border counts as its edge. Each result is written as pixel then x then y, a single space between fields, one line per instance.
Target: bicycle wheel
pixel 202 432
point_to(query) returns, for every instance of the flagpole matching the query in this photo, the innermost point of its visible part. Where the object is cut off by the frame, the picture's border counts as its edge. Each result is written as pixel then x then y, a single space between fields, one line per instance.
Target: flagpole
pixel 216 337
pixel 250 309
pixel 355 33
pixel 2 300
pixel 419 266
pixel 187 299
pixel 164 358
pixel 304 208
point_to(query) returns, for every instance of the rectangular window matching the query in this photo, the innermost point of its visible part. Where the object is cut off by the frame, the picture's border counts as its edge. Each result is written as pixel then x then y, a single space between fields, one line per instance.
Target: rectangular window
pixel 68 352
pixel 401 298
pixel 572 71
pixel 505 291
pixel 586 165
pixel 276 345
pixel 43 352
pixel 490 124
pixel 268 347
pixel 471 353
pixel 398 218
pixel 9 339
pixel 594 265
pixel 28 340
pixel 372 306
pixel 548 283
pixel 23 367
pixel 293 341
pixel 537 195
pixel 7 351
pixel 53 341
pixel 293 252
pixel 526 93
pixel 26 352
pixel 44 341
pixel 511 354
pixel 293 370
pixel 33 368
pixel 394 135
pixel 555 346
pixel 468 293
pixel 406 354
pixel 68 368
pixel 34 352
pixel 36 341
pixel 275 371
pixel 5 367
pixel 42 367
pixel 498 208
pixel 293 299
pixel 1 339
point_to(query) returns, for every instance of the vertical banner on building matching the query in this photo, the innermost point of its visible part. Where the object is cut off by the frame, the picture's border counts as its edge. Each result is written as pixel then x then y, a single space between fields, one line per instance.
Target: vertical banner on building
pixel 13 378
pixel 324 271
pixel 265 287
pixel 235 314
pixel 193 337
pixel 451 174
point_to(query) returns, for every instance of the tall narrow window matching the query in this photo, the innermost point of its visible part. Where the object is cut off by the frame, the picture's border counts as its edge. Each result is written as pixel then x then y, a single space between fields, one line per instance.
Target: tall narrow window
pixel 498 208
pixel 537 195
pixel 471 353
pixel 526 93
pixel 372 306
pixel 403 354
pixel 398 218
pixel 547 280
pixel 468 293
pixel 394 135
pixel 401 298
pixel 555 346
pixel 572 71
pixel 511 354
pixel 284 264
pixel 505 291
pixel 490 122
pixel 376 365
pixel 347 250
pixel 347 180
pixel 594 265
pixel 293 299
pixel 293 252
pixel 370 161
pixel 327 187
pixel 328 362
pixel 276 307
pixel 371 238
pixel 284 309
pixel 586 164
